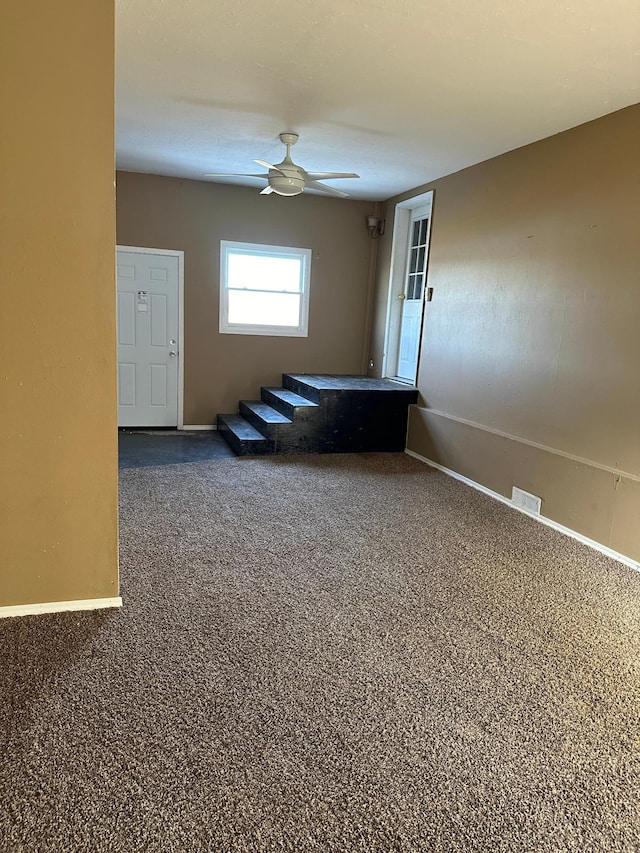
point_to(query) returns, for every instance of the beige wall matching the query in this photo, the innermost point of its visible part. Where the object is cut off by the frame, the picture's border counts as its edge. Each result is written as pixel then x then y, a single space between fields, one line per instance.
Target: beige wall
pixel 194 216
pixel 58 461
pixel 533 329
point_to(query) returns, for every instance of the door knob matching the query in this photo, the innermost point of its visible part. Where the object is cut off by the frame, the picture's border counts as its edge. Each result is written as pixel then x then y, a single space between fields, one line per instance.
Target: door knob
pixel 402 296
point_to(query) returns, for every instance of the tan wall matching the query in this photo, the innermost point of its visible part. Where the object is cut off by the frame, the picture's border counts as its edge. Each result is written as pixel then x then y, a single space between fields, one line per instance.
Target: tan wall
pixel 533 330
pixel 194 216
pixel 58 460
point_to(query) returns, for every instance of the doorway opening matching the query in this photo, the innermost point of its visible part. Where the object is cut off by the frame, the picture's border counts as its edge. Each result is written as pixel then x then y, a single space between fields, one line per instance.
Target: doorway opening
pixel 407 288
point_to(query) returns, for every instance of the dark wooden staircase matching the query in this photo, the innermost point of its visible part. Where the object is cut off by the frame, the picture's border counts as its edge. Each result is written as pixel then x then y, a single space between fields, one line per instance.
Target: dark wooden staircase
pixel 318 413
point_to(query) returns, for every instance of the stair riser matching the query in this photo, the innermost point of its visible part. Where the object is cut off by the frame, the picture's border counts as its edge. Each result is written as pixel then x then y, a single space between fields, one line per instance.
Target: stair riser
pixel 271 431
pixel 305 418
pixel 243 447
pixel 301 388
pixel 289 410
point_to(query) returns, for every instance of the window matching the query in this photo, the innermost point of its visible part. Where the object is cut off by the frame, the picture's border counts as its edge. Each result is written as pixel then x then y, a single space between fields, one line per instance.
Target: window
pixel 264 290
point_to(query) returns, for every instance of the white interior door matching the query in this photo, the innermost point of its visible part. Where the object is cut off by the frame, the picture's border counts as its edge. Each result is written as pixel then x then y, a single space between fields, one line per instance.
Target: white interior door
pixel 148 338
pixel 412 296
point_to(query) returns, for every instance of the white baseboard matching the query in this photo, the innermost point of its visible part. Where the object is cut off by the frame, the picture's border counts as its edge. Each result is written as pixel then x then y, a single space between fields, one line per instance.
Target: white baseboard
pixel 59 606
pixel 591 543
pixel 202 427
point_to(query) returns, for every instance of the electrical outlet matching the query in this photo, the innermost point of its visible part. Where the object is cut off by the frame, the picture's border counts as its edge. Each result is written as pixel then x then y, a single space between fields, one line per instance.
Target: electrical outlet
pixel 526 501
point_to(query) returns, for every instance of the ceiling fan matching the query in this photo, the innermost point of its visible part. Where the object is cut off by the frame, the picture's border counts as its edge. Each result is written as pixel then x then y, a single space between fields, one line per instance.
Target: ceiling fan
pixel 287 178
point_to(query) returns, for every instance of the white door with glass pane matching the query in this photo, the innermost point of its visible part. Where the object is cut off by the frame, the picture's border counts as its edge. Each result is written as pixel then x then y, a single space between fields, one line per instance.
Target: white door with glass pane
pixel 412 297
pixel 148 338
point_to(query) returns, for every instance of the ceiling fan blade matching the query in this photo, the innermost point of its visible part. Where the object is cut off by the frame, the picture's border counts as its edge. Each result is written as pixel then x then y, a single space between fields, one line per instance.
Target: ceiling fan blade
pixel 325 176
pixel 268 166
pixel 314 185
pixel 266 191
pixel 233 175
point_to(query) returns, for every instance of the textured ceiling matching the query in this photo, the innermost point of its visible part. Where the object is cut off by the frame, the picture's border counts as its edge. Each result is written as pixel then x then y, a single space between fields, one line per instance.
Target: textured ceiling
pixel 399 91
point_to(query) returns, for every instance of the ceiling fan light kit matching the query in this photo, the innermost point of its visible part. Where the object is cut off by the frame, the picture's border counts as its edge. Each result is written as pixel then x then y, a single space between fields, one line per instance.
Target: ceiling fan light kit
pixel 287 178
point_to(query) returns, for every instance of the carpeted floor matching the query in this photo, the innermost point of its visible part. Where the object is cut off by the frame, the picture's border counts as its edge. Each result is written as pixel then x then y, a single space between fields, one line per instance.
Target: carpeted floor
pixel 328 653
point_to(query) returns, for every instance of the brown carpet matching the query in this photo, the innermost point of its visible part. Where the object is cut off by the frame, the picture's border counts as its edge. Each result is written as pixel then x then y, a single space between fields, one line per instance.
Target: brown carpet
pixel 328 653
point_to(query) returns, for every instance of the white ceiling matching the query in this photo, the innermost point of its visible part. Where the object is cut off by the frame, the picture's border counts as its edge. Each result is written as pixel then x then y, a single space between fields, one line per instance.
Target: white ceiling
pixel 399 91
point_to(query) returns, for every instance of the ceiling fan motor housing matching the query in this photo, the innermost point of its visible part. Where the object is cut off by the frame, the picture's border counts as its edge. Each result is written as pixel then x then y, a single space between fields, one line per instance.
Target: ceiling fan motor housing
pixel 286 184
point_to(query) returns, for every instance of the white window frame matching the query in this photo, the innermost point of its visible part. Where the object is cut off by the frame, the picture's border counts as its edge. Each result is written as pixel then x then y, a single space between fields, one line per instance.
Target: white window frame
pixel 303 255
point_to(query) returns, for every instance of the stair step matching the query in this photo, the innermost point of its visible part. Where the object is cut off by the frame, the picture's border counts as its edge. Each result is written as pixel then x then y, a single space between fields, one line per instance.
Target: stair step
pixel 321 413
pixel 243 438
pixel 263 412
pixel 267 420
pixel 318 386
pixel 295 383
pixel 286 401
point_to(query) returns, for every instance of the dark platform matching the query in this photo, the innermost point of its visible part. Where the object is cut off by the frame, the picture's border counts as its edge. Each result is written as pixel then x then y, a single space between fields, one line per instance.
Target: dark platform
pixel 318 413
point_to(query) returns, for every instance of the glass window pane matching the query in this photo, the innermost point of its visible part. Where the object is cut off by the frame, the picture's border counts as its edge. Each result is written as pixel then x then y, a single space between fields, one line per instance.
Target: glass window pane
pixel 264 309
pixel 423 231
pixel 414 260
pixel 421 252
pixel 264 273
pixel 416 233
pixel 410 286
pixel 417 287
pixel 264 289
